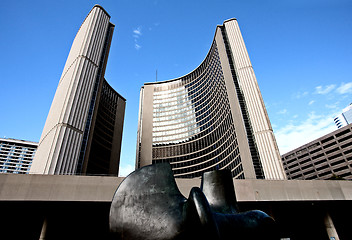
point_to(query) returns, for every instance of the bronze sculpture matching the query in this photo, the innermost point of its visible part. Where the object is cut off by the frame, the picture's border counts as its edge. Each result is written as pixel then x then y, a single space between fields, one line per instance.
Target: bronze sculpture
pixel 148 205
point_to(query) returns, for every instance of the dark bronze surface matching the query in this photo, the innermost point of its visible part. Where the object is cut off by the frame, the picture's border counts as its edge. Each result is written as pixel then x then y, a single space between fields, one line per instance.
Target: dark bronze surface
pixel 148 205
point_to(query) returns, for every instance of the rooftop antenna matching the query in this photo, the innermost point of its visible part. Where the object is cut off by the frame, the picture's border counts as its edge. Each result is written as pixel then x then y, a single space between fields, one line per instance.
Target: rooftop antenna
pixel 156 75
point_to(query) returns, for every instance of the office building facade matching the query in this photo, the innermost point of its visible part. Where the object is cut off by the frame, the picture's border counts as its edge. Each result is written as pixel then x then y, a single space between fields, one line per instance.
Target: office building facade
pixel 344 118
pixel 16 156
pixel 83 130
pixel 212 118
pixel 324 158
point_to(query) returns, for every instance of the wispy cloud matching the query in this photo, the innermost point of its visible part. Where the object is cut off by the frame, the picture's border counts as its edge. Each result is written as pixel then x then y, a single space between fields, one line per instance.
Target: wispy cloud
pixel 137 33
pixel 292 135
pixel 311 102
pixel 345 88
pixel 324 89
pixel 137 46
pixel 150 28
pixel 334 106
pixel 301 94
pixel 283 111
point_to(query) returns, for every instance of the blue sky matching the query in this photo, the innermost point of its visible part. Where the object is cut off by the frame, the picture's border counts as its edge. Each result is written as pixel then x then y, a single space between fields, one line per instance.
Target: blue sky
pixel 300 50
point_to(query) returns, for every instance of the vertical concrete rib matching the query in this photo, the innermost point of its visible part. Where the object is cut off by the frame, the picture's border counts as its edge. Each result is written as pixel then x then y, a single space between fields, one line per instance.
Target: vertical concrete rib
pixel 263 133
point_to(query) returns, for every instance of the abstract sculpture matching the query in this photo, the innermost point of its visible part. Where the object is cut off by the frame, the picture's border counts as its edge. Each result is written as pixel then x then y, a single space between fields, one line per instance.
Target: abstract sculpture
pixel 148 205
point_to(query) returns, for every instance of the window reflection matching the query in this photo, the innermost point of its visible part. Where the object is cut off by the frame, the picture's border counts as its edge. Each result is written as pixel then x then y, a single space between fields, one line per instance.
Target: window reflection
pixel 192 123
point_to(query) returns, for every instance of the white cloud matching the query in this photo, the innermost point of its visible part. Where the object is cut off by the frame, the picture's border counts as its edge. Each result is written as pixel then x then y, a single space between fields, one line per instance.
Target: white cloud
pixel 137 46
pixel 292 136
pixel 324 90
pixel 345 88
pixel 125 170
pixel 137 32
pixel 334 106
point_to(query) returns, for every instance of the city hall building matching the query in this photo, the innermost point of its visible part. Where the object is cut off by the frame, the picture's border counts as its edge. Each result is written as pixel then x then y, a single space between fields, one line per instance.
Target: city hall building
pixel 83 130
pixel 212 118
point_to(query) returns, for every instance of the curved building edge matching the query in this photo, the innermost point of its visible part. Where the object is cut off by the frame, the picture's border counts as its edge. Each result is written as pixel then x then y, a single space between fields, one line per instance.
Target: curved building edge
pixel 253 165
pixel 69 128
pixel 183 165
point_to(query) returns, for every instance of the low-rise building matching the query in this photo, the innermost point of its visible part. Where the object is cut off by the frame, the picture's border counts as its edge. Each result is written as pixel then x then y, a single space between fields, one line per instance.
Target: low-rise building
pixel 16 156
pixel 327 157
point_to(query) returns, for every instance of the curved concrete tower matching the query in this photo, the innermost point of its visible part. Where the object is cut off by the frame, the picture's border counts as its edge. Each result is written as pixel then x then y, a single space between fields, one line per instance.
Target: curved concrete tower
pixel 67 140
pixel 212 118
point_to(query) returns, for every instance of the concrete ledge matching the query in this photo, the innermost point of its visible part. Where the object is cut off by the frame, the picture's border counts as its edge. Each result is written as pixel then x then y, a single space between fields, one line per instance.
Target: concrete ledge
pixel 16 187
pixel 292 190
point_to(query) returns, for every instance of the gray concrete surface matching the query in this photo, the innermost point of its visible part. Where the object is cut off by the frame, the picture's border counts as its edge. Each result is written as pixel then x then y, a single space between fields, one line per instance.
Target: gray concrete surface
pixel 15 187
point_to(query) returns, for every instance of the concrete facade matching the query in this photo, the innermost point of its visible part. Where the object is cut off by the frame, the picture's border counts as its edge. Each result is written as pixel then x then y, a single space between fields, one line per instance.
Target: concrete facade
pixel 68 135
pixel 327 157
pixel 78 206
pixel 16 156
pixel 102 188
pixel 211 118
pixel 258 116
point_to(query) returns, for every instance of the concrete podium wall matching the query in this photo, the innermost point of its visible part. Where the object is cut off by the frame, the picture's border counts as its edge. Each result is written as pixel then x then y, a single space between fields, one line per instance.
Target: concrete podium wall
pixel 15 187
pixel 77 207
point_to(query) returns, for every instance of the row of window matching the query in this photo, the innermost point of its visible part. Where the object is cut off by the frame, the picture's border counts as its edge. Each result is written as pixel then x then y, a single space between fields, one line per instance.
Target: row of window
pixel 204 120
pixel 16 149
pixel 184 133
pixel 215 146
pixel 206 79
pixel 163 89
pixel 204 97
pixel 209 78
pixel 15 163
pixel 201 144
pixel 170 94
pixel 231 162
pixel 199 109
pixel 11 159
pixel 14 167
pixel 208 122
pixel 207 147
pixel 16 155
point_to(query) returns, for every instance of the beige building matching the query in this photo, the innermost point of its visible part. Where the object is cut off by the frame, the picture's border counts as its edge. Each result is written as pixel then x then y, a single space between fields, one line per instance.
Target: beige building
pixel 328 157
pixel 212 118
pixel 83 130
pixel 16 155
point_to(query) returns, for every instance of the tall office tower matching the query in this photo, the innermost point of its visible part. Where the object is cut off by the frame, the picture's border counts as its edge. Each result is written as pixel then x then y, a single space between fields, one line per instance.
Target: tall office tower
pixel 211 118
pixel 344 118
pixel 16 156
pixel 83 130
